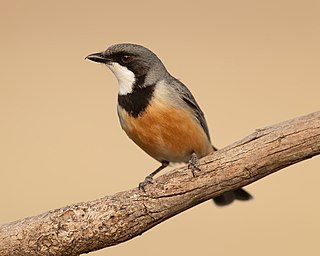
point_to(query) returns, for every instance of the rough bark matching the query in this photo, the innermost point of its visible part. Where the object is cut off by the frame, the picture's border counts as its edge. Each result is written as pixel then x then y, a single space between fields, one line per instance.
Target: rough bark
pixel 88 226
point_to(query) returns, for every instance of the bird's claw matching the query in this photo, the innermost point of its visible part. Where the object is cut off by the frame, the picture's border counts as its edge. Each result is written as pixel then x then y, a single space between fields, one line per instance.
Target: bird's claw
pixel 194 164
pixel 147 180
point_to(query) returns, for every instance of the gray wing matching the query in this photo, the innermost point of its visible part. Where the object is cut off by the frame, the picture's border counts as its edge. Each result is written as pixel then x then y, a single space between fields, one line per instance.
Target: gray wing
pixel 191 102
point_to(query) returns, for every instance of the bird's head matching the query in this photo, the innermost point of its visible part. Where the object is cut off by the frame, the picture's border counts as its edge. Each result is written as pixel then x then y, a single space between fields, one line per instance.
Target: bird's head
pixel 132 64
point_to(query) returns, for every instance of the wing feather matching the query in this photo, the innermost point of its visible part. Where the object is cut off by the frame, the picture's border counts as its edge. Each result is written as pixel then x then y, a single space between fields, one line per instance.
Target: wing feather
pixel 188 98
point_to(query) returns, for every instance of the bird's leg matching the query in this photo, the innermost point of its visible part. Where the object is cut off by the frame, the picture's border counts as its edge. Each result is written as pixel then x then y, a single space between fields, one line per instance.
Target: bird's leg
pixel 194 163
pixel 149 178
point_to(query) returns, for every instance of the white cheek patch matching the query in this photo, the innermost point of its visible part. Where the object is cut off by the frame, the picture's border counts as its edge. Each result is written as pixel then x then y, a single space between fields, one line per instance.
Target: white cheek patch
pixel 125 77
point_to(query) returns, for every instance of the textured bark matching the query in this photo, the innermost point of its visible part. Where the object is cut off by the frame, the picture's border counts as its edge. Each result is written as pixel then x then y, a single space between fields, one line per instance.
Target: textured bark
pixel 88 226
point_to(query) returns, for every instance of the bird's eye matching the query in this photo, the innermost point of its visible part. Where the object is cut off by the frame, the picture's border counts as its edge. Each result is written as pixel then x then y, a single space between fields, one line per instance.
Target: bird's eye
pixel 126 58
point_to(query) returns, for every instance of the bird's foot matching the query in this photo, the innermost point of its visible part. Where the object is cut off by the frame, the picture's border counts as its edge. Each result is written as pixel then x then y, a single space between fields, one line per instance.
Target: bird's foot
pixel 147 180
pixel 194 164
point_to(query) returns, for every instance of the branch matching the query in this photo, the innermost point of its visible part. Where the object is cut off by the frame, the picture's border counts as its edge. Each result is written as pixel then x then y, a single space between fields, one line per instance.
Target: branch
pixel 89 226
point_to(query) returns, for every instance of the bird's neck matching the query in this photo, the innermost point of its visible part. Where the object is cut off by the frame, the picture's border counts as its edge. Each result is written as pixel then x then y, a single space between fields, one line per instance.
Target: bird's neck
pixel 126 78
pixel 136 102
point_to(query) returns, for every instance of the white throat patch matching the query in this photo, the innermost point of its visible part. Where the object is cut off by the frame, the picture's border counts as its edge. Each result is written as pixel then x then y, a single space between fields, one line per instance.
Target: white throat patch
pixel 126 78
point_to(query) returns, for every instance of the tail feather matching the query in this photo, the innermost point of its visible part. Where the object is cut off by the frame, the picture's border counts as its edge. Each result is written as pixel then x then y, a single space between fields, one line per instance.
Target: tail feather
pixel 228 197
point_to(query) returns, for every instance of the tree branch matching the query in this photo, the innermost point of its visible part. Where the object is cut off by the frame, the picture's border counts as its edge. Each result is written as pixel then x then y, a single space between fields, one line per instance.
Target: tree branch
pixel 89 226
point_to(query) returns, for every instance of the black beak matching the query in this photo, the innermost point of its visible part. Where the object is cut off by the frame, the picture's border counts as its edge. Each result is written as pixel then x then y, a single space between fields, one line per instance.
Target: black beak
pixel 98 57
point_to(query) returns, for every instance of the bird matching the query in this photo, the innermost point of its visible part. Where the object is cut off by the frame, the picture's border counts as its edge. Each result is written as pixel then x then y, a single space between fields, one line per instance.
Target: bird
pixel 159 113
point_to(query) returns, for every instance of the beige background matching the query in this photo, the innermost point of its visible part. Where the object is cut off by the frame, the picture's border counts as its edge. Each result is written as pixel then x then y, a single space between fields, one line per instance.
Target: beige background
pixel 249 64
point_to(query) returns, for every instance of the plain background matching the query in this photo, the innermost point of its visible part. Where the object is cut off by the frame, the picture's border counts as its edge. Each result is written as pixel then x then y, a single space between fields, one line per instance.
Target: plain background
pixel 249 64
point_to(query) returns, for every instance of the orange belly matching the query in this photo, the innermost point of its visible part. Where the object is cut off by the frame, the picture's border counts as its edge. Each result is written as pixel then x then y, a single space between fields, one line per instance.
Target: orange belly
pixel 166 133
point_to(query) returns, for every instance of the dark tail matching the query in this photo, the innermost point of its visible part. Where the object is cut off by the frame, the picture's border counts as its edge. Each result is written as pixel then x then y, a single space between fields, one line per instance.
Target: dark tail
pixel 228 197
